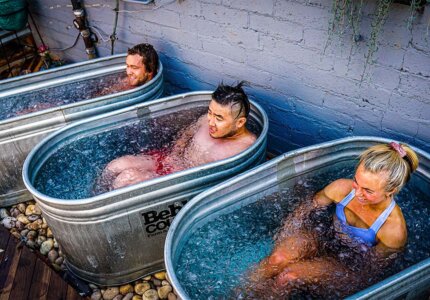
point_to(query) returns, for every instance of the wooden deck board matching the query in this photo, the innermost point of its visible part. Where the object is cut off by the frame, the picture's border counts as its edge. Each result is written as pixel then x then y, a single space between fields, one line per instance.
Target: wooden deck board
pixel 57 287
pixel 40 282
pixel 8 268
pixel 25 275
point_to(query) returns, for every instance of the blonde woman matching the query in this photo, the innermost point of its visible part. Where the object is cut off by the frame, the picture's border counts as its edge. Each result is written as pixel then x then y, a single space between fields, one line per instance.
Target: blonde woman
pixel 366 216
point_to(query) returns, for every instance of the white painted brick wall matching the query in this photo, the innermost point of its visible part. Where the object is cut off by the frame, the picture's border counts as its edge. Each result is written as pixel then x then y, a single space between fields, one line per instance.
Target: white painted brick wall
pixel 311 95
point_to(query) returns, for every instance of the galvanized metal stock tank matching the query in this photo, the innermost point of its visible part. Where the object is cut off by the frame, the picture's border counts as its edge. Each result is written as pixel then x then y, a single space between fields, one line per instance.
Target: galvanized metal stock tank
pixel 118 236
pixel 18 135
pixel 285 171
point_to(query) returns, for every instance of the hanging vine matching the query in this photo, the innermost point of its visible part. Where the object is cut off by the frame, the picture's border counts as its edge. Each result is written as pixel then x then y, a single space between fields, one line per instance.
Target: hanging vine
pixel 377 23
pixel 347 15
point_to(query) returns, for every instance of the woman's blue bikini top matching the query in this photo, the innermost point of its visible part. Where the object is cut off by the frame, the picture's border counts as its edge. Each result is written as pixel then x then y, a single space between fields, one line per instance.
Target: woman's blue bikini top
pixel 363 235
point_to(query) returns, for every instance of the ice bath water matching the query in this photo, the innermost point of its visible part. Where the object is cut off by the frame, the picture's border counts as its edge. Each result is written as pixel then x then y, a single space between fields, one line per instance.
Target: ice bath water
pixel 62 95
pixel 73 170
pixel 218 256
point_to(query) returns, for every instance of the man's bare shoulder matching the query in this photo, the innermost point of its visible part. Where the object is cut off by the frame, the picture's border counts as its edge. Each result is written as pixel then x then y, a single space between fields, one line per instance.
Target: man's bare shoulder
pixel 248 138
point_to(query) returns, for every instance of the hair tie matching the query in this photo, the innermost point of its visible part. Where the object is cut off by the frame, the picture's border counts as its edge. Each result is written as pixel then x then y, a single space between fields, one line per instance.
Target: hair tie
pixel 399 149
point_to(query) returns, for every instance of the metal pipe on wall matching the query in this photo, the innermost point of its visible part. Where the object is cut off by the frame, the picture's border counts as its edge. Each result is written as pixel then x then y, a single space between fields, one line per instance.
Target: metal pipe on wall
pixel 81 24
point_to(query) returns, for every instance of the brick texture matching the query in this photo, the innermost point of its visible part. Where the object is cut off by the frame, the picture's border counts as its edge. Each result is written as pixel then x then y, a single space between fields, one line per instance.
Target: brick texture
pixel 313 91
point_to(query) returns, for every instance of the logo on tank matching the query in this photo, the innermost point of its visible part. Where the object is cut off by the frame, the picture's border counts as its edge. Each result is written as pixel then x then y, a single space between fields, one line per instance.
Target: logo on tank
pixel 158 221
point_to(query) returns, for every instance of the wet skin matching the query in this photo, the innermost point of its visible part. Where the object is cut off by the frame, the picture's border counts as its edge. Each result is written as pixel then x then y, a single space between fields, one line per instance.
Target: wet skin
pixel 136 71
pixel 293 256
pixel 218 135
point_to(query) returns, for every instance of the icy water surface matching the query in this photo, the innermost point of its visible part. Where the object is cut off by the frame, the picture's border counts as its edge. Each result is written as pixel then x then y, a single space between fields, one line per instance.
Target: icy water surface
pixel 72 171
pixel 55 96
pixel 217 258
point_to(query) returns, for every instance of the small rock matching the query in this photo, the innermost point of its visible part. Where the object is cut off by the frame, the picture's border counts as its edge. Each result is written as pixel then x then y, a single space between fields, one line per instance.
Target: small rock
pixel 23 219
pixel 31 235
pixel 96 296
pixel 141 288
pixel 92 286
pixel 49 233
pixel 59 261
pixel 150 295
pixel 126 289
pixel 20 226
pixel 129 296
pixel 21 207
pixel 40 240
pixel 164 291
pixel 136 297
pixel 44 226
pixel 156 281
pixel 36 225
pixel 24 232
pixel 160 275
pixel 42 231
pixel 9 222
pixel 110 293
pixel 55 244
pixel 33 218
pixel 14 212
pixel 52 255
pixel 4 213
pixel 31 244
pixel 118 297
pixel 147 278
pixel 57 267
pixel 171 296
pixel 33 210
pixel 16 234
pixel 46 247
pixel 165 282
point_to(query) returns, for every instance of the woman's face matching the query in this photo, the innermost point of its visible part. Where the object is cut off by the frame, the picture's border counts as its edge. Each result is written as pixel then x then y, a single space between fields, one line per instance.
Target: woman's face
pixel 370 187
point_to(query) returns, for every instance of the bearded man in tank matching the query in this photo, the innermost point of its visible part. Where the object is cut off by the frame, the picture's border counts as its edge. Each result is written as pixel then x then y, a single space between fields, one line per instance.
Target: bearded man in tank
pixel 141 66
pixel 219 134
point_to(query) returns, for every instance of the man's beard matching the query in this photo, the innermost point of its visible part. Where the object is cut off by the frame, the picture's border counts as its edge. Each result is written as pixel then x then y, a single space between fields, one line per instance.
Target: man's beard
pixel 138 82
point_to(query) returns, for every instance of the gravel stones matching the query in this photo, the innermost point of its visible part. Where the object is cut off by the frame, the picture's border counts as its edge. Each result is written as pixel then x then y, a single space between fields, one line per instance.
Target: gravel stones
pixel 26 223
pixel 126 289
pixel 4 213
pixel 9 222
pixel 160 275
pixel 150 295
pixel 129 296
pixel 164 291
pixel 32 210
pixel 97 295
pixel 110 293
pixel 46 246
pixel 141 288
pixel 171 296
